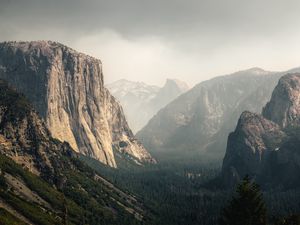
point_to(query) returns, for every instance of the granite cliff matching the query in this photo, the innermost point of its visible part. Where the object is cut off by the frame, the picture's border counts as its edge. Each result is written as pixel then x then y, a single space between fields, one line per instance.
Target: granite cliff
pixel 42 180
pixel 266 146
pixel 198 122
pixel 66 88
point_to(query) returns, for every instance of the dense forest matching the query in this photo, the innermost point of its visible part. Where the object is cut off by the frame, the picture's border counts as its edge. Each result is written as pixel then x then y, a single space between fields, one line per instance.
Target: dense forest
pixel 180 193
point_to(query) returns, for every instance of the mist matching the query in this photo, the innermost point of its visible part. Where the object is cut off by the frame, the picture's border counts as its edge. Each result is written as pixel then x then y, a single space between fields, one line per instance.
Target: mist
pixel 151 41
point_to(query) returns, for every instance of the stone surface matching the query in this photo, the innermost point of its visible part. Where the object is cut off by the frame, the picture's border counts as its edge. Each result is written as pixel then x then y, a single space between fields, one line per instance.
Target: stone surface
pixel 200 120
pixel 266 146
pixel 141 101
pixel 284 106
pixel 66 88
pixel 249 146
pixel 24 136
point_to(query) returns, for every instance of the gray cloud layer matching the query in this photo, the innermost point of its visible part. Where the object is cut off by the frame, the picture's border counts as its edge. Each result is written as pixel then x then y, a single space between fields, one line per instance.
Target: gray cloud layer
pixel 201 34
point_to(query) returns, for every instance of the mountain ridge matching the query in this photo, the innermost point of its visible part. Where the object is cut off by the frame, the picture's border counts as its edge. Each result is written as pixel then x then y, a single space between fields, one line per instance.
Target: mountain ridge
pixel 197 121
pixel 66 88
pixel 141 101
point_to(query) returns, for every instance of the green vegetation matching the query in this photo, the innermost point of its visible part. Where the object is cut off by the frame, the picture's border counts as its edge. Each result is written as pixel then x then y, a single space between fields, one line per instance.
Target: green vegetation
pixel 289 220
pixel 174 192
pixel 180 193
pixel 247 207
pixel 18 105
pixel 87 201
pixel 67 190
pixel 7 218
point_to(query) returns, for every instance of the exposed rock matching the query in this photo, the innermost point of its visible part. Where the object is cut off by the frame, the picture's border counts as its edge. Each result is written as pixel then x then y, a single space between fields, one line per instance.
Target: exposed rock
pixel 249 145
pixel 170 91
pixel 199 121
pixel 267 147
pixel 284 107
pixel 141 101
pixel 66 88
pixel 44 175
pixel 24 136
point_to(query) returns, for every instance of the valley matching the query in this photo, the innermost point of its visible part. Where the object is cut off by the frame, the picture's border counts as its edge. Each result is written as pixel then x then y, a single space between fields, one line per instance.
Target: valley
pixel 69 156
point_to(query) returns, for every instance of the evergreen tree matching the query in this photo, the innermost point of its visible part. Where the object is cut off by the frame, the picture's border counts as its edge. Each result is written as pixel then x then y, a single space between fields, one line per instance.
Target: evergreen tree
pixel 247 207
pixel 290 220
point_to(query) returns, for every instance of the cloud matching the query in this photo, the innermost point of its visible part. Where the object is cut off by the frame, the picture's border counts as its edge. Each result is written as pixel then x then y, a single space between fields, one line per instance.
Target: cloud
pixel 147 58
pixel 147 40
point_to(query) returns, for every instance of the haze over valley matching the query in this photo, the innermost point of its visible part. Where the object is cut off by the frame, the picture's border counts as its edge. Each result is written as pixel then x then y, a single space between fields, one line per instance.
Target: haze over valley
pixel 149 113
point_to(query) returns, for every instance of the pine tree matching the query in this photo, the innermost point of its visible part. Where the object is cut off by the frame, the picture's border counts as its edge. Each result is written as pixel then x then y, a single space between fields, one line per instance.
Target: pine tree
pixel 290 220
pixel 247 207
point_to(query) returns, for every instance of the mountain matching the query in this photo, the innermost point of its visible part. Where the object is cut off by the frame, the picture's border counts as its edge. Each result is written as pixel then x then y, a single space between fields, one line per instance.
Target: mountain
pixel 198 121
pixel 43 182
pixel 66 88
pixel 266 146
pixel 284 107
pixel 141 101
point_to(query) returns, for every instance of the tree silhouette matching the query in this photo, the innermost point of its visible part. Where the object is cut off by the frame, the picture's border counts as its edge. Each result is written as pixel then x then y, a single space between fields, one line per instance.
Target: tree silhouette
pixel 247 207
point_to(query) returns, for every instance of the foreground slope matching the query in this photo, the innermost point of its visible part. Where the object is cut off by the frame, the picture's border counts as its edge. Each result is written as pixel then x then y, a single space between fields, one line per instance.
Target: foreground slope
pixel 43 182
pixel 267 146
pixel 66 88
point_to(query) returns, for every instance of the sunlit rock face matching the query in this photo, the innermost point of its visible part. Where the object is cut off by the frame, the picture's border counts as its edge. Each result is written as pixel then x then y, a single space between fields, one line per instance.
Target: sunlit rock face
pixel 66 88
pixel 266 146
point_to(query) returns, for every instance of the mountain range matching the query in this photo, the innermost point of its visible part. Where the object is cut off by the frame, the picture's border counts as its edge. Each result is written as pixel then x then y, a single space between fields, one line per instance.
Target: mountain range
pixel 68 155
pixel 141 101
pixel 198 122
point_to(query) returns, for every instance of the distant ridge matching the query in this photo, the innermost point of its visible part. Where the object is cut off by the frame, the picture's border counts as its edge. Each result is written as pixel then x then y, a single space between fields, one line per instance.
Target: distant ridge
pixel 141 101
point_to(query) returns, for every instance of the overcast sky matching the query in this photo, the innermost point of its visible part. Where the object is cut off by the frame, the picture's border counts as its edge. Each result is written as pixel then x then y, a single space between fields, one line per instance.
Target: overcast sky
pixel 151 40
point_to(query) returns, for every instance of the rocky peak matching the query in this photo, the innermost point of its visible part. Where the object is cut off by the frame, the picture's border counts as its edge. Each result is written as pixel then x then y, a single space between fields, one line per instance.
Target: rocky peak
pixel 125 90
pixel 261 145
pixel 284 106
pixel 66 88
pixel 145 99
pixel 170 91
pixel 252 140
pixel 174 83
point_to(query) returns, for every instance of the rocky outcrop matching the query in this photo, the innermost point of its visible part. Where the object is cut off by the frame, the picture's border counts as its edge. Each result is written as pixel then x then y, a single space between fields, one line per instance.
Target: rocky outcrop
pixel 170 91
pixel 24 136
pixel 198 122
pixel 41 173
pixel 265 146
pixel 66 88
pixel 284 107
pixel 249 146
pixel 145 99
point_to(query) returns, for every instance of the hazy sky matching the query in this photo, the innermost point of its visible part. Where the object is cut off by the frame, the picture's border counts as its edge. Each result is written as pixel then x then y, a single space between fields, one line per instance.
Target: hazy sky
pixel 151 40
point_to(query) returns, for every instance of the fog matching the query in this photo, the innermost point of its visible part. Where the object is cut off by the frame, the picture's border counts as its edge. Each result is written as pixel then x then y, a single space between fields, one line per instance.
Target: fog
pixel 152 40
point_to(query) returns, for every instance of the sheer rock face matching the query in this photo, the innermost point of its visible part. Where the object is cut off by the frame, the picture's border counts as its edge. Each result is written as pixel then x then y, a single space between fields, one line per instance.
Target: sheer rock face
pixel 66 88
pixel 284 107
pixel 200 120
pixel 249 145
pixel 265 146
pixel 24 136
